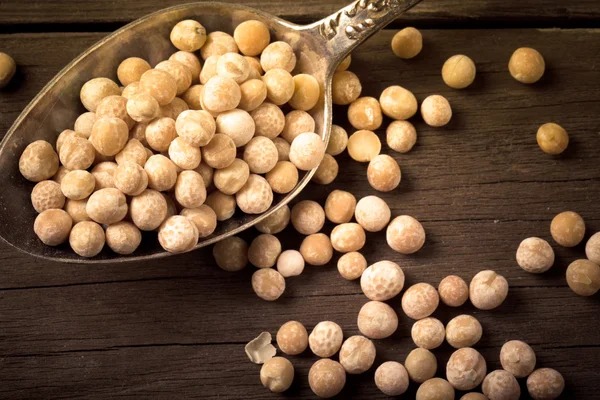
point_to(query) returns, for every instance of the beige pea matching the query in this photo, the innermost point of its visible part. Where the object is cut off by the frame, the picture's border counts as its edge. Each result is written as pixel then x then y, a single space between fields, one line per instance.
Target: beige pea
pixel 256 196
pixel 115 106
pixel 364 113
pixel 109 135
pixel 352 265
pixel 428 333
pixel 436 110
pixel 256 70
pixel 326 378
pixel 316 249
pixel 206 172
pixel 123 237
pixel 38 161
pixel 280 86
pixel 62 138
pixel 283 149
pixel 488 290
pixel 420 301
pixel 372 213
pixel 421 365
pixel 453 291
pixel 292 338
pixel 253 93
pixel 76 209
pixel 162 173
pixel 84 123
pixel 307 217
pixel 278 55
pixel 190 191
pixel 218 43
pixel 463 331
pixel 583 277
pixel 401 136
pixel 407 43
pixel 77 153
pixel 398 103
pixel 231 179
pixel 340 206
pixel 405 234
pixel 458 71
pixel 209 69
pixel 261 155
pixel 222 204
pixel 364 145
pixel 134 151
pixel 465 369
pixel 181 74
pixel 184 155
pixel 8 68
pixel 357 354
pixel 264 251
pixel 277 374
pixel 203 217
pixel 191 61
pixel 178 234
pixel 130 178
pixel 306 92
pixel 251 37
pixel 283 177
pixel 435 389
pixel 87 239
pixel 527 65
pixel 391 378
pixel 196 127
pixel 325 339
pixel 275 222
pixel 567 229
pixel 307 151
pixel 377 320
pixel 592 248
pixel 107 206
pixel 131 90
pixel 327 171
pixel 535 255
pixel 46 195
pixel 501 385
pixel 148 210
pixel 192 97
pixel 221 94
pixel 78 185
pixel 345 88
pixel 104 175
pixel 545 384
pixel 131 69
pixel 338 140
pixel 348 237
pixel 188 35
pixel 220 152
pixel 142 107
pixel 268 119
pixel 552 138
pixel 237 124
pixel 268 284
pixel 345 64
pixel 93 91
pixel 384 173
pixel 52 226
pixel 518 358
pixel 382 281
pixel 60 174
pixel 234 66
pixel 138 132
pixel 295 123
pixel 231 254
pixel 159 84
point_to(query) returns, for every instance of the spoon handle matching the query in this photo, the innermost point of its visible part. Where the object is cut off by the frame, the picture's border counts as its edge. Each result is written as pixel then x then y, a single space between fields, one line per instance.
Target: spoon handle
pixel 353 24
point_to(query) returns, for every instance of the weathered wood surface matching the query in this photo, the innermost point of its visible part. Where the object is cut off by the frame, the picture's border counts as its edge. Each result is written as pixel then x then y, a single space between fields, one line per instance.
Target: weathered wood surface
pixel 176 328
pixel 455 13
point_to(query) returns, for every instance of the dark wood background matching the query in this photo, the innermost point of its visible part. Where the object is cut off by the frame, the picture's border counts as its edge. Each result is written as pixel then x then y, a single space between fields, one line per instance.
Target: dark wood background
pixel 176 328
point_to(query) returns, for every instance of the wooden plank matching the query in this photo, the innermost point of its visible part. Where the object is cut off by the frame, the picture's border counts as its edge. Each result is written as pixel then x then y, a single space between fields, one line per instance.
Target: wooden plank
pixel 224 372
pixel 452 12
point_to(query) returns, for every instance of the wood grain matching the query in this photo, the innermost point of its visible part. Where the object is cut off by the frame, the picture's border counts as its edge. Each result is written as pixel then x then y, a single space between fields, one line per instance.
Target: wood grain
pixel 176 328
pixel 456 13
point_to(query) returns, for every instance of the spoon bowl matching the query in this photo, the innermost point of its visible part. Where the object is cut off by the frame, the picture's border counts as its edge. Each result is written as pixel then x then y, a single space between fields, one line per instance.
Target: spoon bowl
pixel 319 48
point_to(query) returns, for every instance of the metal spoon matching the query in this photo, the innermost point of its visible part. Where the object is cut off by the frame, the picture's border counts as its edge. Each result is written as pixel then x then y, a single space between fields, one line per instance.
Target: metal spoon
pixel 319 47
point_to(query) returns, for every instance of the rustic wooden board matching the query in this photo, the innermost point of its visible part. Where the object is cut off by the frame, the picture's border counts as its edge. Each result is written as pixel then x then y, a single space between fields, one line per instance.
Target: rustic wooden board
pixel 455 13
pixel 175 328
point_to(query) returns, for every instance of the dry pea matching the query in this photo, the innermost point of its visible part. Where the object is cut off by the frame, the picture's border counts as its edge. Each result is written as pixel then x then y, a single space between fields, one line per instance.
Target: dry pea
pixel 535 255
pixel 295 123
pixel 474 396
pixel 345 64
pixel 316 249
pixel 325 339
pixel 526 65
pixel 264 251
pixel 107 206
pixel 290 263
pixel 352 265
pixel 340 206
pixel 405 234
pixel 278 55
pixel 401 136
pixel 84 123
pixel 130 178
pixel 466 369
pixel 338 140
pixel 222 204
pixel 518 358
pixel 382 281
pixel 269 120
pixel 364 145
pixel 277 374
pixel 46 195
pixel 435 389
pixel 77 185
pixel 407 43
pixel 420 301
pixel 8 68
pixel 307 151
pixel 583 277
pixel 62 138
pixel 76 209
pixel 283 177
pixel 348 237
pixel 592 248
pixel 292 338
pixel 218 43
pixel 326 378
pixel 327 171
pixel 428 333
pixel 159 84
pixel 195 127
pixel 234 66
pixel 220 152
pixel 453 291
pixel 184 155
pixel 459 71
pixel 275 222
pixel 391 378
pixel 60 174
pixel 231 254
pixel 398 103
pixel 545 384
pixel 567 229
pixel 87 238
pixel 191 61
pixel 268 284
pixel 306 92
pixel 261 155
pixel 357 354
pixel 377 320
pixel 209 69
pixel 463 331
pixel 104 174
pixel 161 171
pixel 307 217
pixel 231 179
pixel 436 111
pixel 237 124
pixel 372 213
pixel 93 91
pixel 421 365
pixel 123 237
pixel 76 153
pixel 134 151
pixel 142 107
pixel 115 106
pixel 178 234
pixel 192 97
pixel 109 135
pixel 188 35
pixel 256 70
pixel 148 210
pixel 345 88
pixel 253 93
pixel 220 94
pixel 384 173
pixel 52 226
pixel 190 191
pixel 552 138
pixel 38 162
pixel 283 149
pixel 488 290
pixel 280 86
pixel 501 385
pixel 203 217
pixel 364 113
pixel 251 37
pixel 256 196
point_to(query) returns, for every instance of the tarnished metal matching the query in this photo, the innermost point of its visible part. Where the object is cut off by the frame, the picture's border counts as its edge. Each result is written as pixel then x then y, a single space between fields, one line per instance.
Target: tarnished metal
pixel 319 48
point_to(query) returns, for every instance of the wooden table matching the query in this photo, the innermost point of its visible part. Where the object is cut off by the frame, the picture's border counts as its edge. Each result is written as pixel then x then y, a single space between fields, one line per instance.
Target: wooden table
pixel 176 328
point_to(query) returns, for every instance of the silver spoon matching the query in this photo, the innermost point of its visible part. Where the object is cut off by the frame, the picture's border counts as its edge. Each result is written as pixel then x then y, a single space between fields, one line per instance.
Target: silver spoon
pixel 319 47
